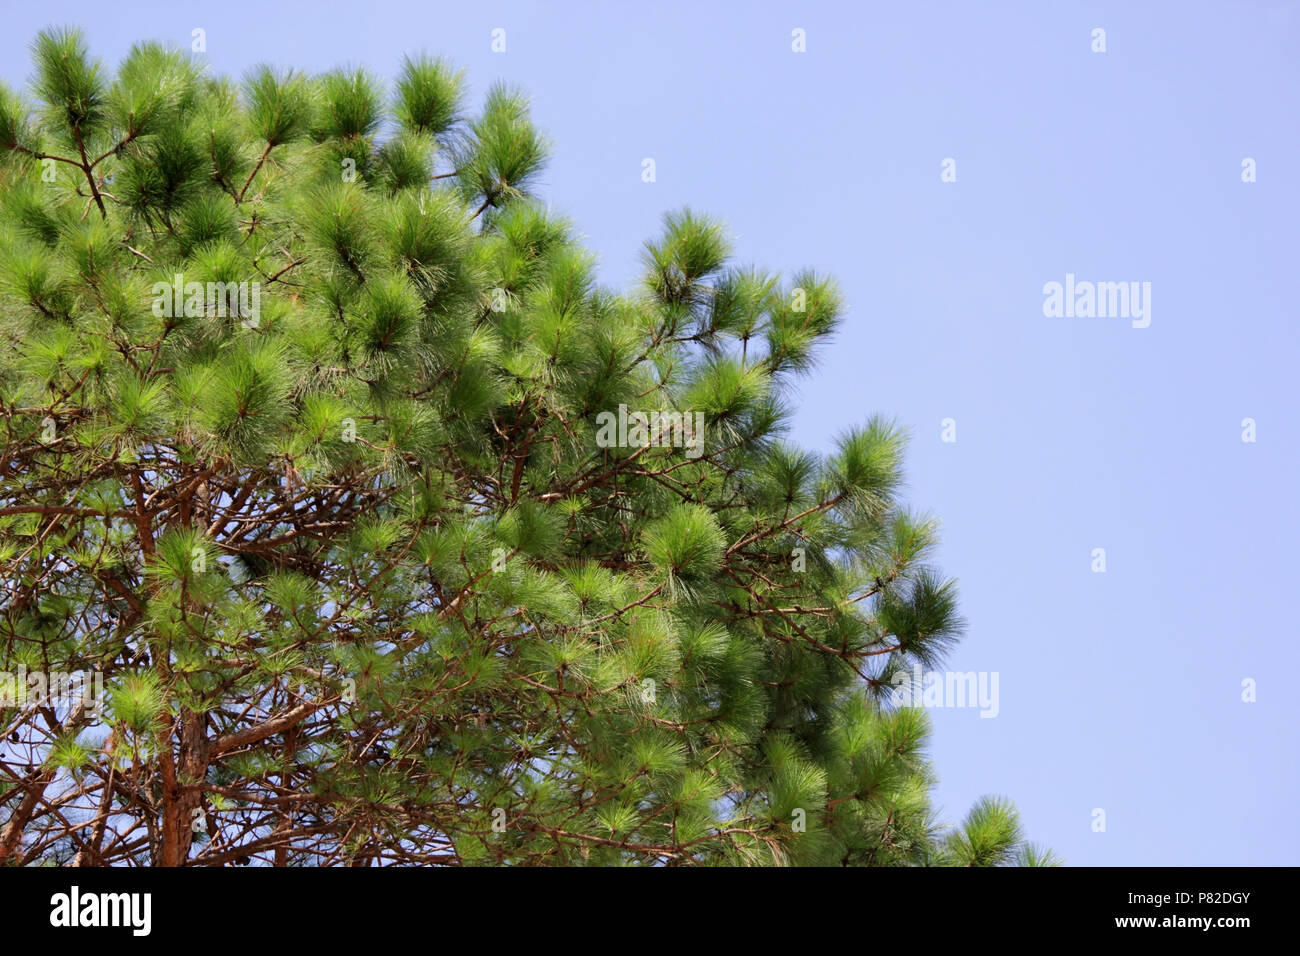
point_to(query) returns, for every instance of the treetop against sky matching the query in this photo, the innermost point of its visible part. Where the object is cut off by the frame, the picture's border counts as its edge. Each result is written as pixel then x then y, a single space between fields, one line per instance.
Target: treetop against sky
pixel 391 536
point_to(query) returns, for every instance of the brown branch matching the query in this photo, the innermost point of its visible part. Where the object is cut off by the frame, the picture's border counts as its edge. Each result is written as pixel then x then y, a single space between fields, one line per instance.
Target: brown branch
pixel 267 728
pixel 260 160
pixel 86 167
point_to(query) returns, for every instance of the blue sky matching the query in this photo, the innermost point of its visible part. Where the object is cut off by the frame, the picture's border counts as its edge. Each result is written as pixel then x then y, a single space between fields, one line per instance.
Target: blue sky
pixel 1119 690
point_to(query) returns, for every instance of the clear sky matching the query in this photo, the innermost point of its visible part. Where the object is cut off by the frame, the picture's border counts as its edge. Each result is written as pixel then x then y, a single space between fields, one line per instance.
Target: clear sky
pixel 1121 690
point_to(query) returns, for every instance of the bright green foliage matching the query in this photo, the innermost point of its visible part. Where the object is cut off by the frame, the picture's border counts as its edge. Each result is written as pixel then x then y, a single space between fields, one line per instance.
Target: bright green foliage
pixel 356 537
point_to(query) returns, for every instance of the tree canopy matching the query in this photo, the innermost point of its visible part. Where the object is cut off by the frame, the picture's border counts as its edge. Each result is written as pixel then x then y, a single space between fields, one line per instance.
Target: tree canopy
pixel 394 536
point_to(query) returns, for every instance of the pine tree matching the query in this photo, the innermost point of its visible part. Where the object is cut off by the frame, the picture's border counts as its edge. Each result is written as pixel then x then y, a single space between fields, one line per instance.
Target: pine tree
pixel 395 537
